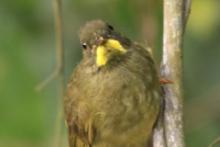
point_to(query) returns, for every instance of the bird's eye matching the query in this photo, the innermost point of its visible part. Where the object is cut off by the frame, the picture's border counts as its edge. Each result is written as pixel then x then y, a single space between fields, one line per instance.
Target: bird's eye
pixel 110 27
pixel 84 45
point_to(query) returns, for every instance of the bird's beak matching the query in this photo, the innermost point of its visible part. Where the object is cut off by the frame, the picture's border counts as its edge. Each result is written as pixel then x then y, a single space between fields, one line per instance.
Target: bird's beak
pixel 102 54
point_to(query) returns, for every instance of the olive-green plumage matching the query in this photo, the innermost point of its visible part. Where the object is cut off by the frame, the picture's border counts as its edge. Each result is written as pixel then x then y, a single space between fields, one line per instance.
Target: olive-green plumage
pixel 116 104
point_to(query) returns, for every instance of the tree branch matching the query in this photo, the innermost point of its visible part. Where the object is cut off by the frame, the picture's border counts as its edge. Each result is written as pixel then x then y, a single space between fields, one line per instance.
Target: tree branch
pixel 186 11
pixel 216 141
pixel 176 13
pixel 159 132
pixel 49 79
pixel 60 65
pixel 58 71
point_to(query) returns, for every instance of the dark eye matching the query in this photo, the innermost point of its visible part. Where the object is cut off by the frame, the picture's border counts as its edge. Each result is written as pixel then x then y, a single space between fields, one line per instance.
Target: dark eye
pixel 110 27
pixel 84 45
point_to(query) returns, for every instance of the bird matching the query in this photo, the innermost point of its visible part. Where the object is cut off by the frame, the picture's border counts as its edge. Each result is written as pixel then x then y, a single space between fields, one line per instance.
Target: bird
pixel 113 96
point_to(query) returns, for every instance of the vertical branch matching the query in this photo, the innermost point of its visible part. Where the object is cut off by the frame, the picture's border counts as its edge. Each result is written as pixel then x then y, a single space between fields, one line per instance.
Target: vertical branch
pixel 59 35
pixel 60 69
pixel 159 132
pixel 175 18
pixel 186 11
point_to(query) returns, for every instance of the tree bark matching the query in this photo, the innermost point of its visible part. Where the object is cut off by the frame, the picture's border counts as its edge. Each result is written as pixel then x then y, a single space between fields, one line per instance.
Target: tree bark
pixel 175 17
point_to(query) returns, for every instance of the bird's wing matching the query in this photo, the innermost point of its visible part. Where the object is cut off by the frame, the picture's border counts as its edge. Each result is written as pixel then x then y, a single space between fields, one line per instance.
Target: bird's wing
pixel 80 126
pixel 81 134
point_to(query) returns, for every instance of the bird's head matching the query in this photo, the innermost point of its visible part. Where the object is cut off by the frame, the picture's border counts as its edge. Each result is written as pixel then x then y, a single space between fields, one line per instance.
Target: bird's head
pixel 101 42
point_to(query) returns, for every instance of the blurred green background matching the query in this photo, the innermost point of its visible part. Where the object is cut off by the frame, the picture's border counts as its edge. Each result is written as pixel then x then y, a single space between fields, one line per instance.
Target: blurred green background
pixel 27 56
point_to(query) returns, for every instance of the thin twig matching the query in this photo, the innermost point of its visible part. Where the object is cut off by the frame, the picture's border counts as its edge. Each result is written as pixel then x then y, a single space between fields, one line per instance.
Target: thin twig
pixel 175 19
pixel 49 79
pixel 60 65
pixel 216 141
pixel 58 71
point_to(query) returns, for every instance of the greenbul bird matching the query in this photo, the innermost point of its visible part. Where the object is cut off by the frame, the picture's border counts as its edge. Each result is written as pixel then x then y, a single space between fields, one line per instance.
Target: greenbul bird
pixel 113 97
